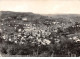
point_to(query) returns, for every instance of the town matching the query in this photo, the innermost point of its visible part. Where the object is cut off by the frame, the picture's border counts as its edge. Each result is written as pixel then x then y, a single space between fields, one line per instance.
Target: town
pixel 38 35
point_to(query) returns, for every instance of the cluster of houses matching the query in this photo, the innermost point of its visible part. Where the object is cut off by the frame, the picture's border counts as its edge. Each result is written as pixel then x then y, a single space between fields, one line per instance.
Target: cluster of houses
pixel 24 33
pixel 27 30
pixel 75 38
pixel 24 37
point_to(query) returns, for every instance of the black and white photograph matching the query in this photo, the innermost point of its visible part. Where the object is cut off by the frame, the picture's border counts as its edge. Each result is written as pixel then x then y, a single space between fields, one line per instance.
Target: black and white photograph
pixel 39 28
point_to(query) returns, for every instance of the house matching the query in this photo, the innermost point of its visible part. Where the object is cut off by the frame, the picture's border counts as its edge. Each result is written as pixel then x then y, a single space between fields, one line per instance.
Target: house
pixel 55 23
pixel 2 24
pixel 46 41
pixel 24 19
pixel 70 38
pixel 0 30
pixel 75 38
pixel 78 40
pixel 19 30
pixel 5 36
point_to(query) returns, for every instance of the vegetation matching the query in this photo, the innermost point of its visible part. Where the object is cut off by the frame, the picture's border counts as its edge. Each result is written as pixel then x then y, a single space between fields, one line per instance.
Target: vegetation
pixel 40 36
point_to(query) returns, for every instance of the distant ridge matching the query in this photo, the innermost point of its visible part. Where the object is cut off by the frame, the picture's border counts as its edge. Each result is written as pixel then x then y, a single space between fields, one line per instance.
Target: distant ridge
pixel 32 16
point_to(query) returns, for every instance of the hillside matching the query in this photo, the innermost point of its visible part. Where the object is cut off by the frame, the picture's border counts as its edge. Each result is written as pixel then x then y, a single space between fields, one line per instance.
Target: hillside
pixel 32 34
pixel 31 16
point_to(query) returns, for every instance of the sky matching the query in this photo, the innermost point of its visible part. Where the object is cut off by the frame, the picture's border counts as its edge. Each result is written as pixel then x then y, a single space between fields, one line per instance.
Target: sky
pixel 41 6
